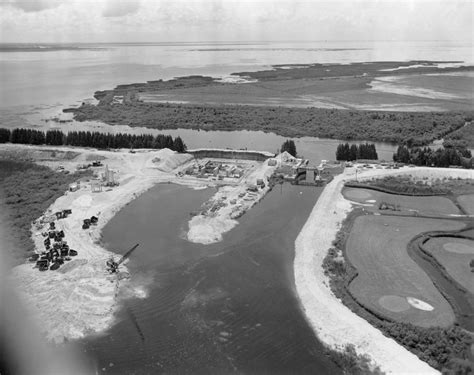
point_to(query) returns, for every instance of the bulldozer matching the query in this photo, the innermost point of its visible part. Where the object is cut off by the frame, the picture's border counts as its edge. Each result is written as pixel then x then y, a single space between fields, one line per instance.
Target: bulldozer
pixel 112 266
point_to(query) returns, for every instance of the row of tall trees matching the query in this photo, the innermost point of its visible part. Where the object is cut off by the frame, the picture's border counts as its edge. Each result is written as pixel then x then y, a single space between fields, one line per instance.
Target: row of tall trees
pixel 441 157
pixel 413 128
pixel 348 152
pixel 91 139
pixel 289 146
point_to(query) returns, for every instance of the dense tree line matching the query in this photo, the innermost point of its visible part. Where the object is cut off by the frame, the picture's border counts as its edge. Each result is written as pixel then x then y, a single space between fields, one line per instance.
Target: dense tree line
pixel 27 136
pixel 413 128
pixel 5 135
pixel 442 348
pixel 348 152
pixel 91 139
pixel 441 157
pixel 406 185
pixel 463 137
pixel 289 146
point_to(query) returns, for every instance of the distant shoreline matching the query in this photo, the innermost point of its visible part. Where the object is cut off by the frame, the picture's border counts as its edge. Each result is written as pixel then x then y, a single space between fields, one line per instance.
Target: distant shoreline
pixel 317 100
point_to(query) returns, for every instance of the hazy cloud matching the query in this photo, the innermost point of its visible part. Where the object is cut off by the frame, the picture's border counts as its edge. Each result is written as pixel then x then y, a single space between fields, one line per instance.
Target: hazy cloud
pixel 120 8
pixel 32 5
pixel 227 20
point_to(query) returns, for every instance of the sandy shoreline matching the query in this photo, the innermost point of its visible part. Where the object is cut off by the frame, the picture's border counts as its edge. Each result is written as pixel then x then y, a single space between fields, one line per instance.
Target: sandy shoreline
pixel 334 323
pixel 81 298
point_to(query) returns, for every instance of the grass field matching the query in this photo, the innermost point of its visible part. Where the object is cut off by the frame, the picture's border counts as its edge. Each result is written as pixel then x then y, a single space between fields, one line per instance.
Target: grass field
pixel 389 281
pixel 425 206
pixel 454 254
pixel 467 202
pixel 26 191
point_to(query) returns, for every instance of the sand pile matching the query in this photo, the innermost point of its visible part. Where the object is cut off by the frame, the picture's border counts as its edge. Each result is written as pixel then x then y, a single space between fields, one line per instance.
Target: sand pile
pixel 168 160
pixel 68 304
pixel 80 297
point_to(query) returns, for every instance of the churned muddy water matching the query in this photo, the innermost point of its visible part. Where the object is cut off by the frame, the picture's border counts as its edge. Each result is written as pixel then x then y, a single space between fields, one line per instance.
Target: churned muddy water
pixel 210 309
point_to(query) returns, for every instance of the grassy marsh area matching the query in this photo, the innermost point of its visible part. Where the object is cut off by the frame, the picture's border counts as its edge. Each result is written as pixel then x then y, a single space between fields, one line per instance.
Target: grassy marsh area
pixel 291 101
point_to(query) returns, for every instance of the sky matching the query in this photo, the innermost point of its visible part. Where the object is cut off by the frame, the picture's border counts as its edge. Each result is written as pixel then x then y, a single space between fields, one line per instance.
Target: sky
pixel 69 21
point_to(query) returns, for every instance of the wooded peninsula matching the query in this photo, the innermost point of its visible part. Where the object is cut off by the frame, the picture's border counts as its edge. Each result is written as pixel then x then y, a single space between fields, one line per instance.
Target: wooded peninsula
pixel 292 101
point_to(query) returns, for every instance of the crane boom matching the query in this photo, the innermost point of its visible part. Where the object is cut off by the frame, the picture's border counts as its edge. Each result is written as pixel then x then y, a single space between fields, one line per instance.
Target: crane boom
pixel 127 254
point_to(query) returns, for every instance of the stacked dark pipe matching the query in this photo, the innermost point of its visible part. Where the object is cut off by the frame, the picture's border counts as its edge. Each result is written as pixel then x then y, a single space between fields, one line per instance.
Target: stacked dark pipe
pixel 56 249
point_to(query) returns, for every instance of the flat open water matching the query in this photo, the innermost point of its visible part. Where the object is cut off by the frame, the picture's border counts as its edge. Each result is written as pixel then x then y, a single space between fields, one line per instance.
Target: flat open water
pixel 37 84
pixel 212 309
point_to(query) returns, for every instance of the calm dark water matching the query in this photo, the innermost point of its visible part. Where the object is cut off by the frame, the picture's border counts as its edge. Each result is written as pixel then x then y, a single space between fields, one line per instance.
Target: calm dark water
pixel 224 308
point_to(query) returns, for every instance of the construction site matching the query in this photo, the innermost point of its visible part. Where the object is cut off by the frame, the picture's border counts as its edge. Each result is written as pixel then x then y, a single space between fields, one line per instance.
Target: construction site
pixel 84 277
pixel 241 177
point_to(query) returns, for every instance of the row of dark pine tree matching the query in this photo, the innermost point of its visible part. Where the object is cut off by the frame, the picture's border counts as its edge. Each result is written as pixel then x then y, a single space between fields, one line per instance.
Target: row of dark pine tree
pixel 348 152
pixel 289 146
pixel 441 157
pixel 91 139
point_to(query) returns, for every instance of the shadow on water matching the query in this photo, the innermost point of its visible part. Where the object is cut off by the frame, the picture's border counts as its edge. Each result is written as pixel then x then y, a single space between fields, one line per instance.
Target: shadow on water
pixel 221 308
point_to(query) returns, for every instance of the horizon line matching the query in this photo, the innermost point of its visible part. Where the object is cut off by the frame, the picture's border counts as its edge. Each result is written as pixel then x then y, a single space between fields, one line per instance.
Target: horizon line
pixel 240 41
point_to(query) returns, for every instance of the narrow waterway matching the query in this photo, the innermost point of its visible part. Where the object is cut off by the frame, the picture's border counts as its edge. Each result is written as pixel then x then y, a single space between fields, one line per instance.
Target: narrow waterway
pixel 221 308
pixel 461 300
pixel 311 148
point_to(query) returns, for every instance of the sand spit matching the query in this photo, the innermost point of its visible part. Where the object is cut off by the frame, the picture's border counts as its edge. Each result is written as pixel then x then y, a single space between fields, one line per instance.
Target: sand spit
pixel 233 202
pixel 331 320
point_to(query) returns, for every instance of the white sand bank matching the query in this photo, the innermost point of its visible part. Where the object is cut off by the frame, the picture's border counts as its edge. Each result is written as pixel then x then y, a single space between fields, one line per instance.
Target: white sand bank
pixel 333 322
pixel 81 297
pixel 209 227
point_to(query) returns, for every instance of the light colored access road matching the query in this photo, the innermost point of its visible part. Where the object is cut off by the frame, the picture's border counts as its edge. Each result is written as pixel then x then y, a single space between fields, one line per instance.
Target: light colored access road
pixel 332 321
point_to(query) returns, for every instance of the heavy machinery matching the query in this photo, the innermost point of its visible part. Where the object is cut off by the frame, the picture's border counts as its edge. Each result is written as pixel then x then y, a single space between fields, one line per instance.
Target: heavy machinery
pixel 112 265
pixel 43 264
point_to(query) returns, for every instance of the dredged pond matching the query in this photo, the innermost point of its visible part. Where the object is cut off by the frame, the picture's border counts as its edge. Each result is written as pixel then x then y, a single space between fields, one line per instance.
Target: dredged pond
pixel 218 308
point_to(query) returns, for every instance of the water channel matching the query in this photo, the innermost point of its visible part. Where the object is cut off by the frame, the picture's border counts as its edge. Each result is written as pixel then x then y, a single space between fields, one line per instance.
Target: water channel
pixel 219 308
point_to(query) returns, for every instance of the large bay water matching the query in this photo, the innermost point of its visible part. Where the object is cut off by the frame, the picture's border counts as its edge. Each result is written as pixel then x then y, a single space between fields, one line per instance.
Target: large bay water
pixel 215 309
pixel 36 84
pixel 227 307
pixel 48 76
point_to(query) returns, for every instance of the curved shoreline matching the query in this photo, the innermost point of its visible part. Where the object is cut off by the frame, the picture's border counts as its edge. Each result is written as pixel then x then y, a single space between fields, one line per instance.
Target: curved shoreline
pixel 81 297
pixel 334 323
